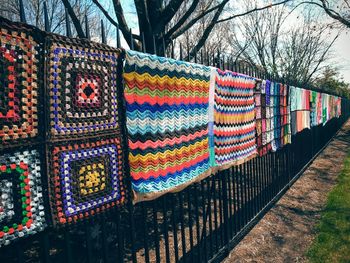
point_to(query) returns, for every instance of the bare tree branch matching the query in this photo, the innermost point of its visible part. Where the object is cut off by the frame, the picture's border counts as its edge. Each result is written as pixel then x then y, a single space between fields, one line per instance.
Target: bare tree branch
pixel 194 20
pixel 208 29
pixel 170 10
pixel 123 25
pixel 334 14
pixel 252 11
pixel 74 18
pixel 321 59
pixel 182 20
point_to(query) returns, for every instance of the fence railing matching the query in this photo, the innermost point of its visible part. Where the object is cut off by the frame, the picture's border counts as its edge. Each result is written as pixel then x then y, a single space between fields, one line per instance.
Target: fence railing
pixel 199 224
pixel 202 223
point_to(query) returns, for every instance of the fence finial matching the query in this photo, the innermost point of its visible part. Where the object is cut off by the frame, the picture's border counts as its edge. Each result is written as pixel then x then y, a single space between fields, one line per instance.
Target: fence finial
pixel 68 29
pixel 103 34
pixel 46 18
pixel 22 15
pixel 118 36
pixel 154 45
pixel 131 40
pixel 87 30
pixel 181 51
pixel 143 43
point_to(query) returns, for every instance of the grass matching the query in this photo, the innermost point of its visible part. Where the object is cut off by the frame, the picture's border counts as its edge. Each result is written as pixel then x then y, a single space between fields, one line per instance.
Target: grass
pixel 332 243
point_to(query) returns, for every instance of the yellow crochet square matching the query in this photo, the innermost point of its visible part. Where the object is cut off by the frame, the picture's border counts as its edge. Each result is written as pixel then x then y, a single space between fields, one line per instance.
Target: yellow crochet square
pixel 92 178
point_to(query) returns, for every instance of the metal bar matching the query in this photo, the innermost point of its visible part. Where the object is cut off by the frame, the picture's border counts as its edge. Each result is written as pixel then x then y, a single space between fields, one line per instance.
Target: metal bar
pixel 88 242
pixel 188 192
pixel 204 232
pixel 154 45
pixel 68 247
pixel 211 242
pixel 87 29
pixel 225 207
pixel 145 231
pixel 118 36
pixel 68 28
pixel 103 33
pixel 196 205
pixel 174 222
pixel 22 14
pixel 46 18
pixel 155 228
pixel 215 216
pixel 143 42
pixel 105 250
pixel 165 230
pixel 131 40
pixel 182 224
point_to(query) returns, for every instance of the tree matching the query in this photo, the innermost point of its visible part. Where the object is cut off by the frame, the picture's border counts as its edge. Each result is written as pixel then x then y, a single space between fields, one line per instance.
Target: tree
pixel 296 52
pixel 167 20
pixel 336 9
pixel 329 81
pixel 34 12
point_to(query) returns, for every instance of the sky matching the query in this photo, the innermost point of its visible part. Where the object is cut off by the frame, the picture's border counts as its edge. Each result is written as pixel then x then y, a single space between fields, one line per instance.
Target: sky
pixel 342 50
pixel 341 47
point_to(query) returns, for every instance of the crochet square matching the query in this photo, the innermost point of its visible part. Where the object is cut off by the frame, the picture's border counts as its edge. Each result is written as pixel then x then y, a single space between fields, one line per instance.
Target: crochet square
pixel 18 84
pixel 88 89
pixel 82 89
pixel 21 196
pixel 87 178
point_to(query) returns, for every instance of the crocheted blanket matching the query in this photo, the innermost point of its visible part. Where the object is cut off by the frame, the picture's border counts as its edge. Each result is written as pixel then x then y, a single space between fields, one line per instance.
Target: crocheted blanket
pixel 234 118
pixel 300 109
pixel 272 116
pixel 167 120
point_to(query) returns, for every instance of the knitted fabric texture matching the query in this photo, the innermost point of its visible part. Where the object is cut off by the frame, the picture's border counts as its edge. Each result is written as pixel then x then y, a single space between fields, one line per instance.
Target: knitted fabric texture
pixel 19 85
pixel 167 120
pixel 234 118
pixel 21 196
pixel 86 168
pixel 300 109
pixel 281 115
pixel 86 178
pixel 82 88
pixel 272 116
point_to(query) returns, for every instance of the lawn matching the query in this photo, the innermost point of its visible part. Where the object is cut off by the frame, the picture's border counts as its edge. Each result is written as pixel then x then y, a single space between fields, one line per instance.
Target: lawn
pixel 332 243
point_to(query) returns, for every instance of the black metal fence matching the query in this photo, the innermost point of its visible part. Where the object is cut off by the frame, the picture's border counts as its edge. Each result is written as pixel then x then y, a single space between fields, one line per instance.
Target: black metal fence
pixel 199 224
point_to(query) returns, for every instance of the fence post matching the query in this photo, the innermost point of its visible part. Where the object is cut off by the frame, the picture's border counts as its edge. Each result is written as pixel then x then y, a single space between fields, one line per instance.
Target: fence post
pixel 22 15
pixel 87 30
pixel 103 34
pixel 46 18
pixel 131 40
pixel 68 29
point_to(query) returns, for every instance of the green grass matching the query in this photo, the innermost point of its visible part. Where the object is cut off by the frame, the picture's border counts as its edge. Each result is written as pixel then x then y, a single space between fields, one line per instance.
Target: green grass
pixel 332 243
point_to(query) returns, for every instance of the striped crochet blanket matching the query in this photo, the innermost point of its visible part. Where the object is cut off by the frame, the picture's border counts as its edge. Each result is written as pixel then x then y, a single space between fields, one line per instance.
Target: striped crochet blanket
pixel 167 120
pixel 300 109
pixel 234 118
pixel 272 116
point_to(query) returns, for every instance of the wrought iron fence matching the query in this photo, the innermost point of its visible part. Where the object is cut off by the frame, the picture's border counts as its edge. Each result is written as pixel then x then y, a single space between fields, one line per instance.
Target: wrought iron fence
pixel 202 223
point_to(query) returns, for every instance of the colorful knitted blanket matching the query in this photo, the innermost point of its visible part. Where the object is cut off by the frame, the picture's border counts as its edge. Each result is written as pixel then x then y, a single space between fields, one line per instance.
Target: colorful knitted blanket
pixel 167 120
pixel 325 108
pixel 234 118
pixel 272 116
pixel 262 114
pixel 315 108
pixel 300 109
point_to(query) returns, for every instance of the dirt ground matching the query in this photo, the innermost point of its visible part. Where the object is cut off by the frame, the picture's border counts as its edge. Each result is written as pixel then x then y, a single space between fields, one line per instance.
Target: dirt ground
pixel 286 232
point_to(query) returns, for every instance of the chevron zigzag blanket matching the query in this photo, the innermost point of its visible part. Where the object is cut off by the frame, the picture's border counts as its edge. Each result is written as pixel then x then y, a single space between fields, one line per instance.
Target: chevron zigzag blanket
pixel 233 118
pixel 167 105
